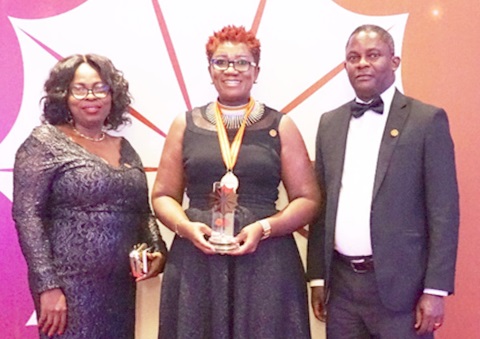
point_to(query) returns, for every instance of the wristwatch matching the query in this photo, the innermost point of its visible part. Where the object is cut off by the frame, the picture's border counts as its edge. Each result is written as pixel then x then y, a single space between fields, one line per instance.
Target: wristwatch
pixel 267 228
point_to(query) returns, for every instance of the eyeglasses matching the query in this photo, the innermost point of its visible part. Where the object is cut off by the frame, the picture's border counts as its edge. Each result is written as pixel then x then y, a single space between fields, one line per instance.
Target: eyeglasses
pixel 99 91
pixel 240 65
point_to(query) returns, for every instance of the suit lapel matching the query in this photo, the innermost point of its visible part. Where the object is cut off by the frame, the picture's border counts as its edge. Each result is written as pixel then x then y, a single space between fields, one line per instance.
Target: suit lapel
pixel 393 131
pixel 338 135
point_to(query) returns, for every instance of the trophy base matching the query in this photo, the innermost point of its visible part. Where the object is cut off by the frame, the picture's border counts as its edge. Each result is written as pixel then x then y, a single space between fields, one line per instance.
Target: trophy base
pixel 223 244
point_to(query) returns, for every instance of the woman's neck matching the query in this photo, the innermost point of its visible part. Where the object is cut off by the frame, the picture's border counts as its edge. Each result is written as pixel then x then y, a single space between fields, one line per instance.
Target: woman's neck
pixel 233 105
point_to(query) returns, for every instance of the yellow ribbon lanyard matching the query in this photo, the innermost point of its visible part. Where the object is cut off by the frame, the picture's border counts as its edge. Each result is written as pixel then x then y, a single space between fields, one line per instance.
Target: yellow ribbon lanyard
pixel 230 152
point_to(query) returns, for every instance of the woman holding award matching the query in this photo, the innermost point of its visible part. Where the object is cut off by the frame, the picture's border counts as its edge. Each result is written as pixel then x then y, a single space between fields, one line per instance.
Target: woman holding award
pixel 80 204
pixel 230 156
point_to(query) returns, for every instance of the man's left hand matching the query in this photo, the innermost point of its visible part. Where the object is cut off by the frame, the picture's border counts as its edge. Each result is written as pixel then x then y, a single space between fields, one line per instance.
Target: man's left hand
pixel 429 313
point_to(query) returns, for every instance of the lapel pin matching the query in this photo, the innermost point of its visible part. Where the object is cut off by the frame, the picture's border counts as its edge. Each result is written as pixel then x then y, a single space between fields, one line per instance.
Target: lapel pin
pixel 394 133
pixel 273 133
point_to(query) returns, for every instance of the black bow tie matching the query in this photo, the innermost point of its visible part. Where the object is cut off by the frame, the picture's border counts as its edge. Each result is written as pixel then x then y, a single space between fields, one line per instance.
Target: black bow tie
pixel 358 108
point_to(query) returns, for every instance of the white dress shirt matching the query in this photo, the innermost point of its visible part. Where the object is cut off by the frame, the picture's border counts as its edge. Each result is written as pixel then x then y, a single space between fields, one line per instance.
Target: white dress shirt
pixel 352 232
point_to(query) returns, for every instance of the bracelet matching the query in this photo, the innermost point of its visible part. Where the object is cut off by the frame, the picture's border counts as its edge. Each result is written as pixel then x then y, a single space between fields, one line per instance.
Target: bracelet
pixel 267 228
pixel 176 229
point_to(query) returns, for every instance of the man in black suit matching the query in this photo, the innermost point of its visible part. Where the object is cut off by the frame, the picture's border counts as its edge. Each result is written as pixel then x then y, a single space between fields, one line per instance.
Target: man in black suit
pixel 382 257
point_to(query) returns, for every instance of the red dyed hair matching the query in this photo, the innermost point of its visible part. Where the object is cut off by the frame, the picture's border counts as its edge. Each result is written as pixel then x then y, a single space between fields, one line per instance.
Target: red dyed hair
pixel 234 34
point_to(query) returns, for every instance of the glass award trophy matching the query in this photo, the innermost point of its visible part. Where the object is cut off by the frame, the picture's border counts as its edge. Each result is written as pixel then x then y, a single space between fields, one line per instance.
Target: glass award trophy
pixel 224 203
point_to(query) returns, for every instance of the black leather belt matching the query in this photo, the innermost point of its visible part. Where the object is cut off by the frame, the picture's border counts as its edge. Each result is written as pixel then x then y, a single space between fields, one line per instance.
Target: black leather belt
pixel 360 264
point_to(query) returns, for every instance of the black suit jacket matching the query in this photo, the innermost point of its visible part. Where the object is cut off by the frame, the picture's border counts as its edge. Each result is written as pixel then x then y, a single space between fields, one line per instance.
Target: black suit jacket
pixel 414 211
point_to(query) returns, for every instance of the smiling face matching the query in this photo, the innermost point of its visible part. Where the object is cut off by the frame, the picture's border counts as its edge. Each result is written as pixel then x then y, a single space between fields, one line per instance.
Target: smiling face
pixel 233 87
pixel 88 113
pixel 370 64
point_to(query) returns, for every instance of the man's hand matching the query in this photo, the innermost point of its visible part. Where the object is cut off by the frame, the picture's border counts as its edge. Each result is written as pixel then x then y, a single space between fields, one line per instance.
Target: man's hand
pixel 429 313
pixel 318 302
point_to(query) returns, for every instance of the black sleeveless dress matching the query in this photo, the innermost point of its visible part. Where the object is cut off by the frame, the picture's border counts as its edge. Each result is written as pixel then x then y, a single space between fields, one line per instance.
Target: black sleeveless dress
pixel 260 295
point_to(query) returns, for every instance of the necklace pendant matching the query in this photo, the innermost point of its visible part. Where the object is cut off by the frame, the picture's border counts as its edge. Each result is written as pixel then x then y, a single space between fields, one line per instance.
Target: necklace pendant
pixel 230 180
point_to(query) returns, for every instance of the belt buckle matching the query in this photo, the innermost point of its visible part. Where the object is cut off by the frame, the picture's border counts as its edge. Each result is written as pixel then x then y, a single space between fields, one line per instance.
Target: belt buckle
pixel 355 262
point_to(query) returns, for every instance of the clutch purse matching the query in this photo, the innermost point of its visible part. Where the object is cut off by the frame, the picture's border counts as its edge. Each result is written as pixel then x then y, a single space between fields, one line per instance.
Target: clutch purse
pixel 138 259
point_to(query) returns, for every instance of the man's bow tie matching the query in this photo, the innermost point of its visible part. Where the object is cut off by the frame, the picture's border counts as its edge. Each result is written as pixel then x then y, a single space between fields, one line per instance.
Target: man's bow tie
pixel 358 108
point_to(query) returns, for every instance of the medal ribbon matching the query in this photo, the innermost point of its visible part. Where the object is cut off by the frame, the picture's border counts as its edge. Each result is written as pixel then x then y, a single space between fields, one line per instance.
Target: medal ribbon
pixel 230 152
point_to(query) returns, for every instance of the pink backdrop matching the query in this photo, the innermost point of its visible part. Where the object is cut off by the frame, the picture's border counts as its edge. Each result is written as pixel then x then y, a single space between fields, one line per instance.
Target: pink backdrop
pixel 439 42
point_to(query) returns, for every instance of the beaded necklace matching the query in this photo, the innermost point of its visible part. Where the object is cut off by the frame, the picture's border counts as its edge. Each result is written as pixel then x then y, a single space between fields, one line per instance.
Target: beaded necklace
pixel 232 117
pixel 100 138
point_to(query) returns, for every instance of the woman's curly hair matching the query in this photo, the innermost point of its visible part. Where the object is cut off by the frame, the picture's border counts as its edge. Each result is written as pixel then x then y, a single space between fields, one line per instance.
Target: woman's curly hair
pixel 234 34
pixel 55 101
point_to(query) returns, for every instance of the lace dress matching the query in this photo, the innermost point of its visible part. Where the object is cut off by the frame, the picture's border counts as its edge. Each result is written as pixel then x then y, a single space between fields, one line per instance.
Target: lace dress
pixel 77 218
pixel 261 295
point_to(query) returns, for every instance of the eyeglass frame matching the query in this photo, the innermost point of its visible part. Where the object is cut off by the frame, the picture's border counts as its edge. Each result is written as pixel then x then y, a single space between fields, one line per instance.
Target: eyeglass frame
pixel 91 90
pixel 232 63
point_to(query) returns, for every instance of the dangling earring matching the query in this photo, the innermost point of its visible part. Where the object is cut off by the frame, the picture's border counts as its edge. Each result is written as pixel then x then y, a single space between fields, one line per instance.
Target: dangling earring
pixel 70 118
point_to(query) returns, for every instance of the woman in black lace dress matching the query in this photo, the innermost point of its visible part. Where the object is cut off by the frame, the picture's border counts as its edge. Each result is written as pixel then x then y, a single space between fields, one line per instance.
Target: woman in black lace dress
pixel 231 155
pixel 81 203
